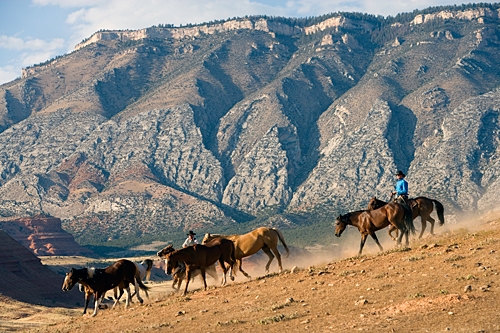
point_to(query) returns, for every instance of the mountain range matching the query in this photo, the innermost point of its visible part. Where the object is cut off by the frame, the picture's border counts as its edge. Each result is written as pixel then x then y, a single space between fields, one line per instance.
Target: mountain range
pixel 142 132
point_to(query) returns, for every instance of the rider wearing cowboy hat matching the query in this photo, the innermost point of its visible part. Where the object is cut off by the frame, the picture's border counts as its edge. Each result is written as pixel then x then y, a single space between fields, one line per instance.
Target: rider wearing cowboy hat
pixel 191 240
pixel 401 191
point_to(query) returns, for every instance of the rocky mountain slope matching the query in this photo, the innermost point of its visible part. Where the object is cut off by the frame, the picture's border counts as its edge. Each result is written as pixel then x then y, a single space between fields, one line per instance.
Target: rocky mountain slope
pixel 169 128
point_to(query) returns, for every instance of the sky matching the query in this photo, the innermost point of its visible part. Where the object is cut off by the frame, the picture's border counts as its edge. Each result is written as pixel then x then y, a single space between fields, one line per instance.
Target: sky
pixel 33 31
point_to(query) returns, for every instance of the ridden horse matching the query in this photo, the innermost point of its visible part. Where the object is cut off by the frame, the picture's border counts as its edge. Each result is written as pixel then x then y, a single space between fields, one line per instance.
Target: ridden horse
pixel 180 273
pixel 202 256
pixel 420 206
pixel 368 222
pixel 250 243
pixel 121 274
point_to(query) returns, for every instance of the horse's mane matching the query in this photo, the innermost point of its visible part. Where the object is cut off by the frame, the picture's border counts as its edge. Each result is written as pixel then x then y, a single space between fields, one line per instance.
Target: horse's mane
pixel 90 272
pixel 355 212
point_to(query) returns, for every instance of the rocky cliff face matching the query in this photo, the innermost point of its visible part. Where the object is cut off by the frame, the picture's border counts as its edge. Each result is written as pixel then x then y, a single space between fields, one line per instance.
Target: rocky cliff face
pixel 43 236
pixel 142 132
pixel 25 278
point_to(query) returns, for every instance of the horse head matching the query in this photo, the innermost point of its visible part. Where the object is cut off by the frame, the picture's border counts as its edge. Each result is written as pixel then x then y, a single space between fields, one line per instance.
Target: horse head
pixel 171 264
pixel 72 278
pixel 340 225
pixel 207 238
pixel 375 203
pixel 166 250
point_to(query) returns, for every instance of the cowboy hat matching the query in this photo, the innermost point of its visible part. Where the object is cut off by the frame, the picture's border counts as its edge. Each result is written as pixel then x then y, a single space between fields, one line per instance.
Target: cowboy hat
pixel 191 233
pixel 400 173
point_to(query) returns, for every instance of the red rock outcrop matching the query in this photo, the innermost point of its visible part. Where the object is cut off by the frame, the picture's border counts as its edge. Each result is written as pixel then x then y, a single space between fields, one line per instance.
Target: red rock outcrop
pixel 25 278
pixel 43 235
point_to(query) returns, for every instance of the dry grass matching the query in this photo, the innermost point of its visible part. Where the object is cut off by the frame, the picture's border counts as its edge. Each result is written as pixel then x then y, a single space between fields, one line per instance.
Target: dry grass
pixel 449 282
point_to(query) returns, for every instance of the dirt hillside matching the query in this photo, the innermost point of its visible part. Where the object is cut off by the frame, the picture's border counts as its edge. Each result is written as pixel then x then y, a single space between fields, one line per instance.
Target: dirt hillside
pixel 448 282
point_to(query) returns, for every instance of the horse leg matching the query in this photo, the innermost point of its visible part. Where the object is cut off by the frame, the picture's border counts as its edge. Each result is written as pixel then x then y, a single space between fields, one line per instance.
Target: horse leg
pixel 203 275
pixel 278 257
pixel 376 241
pixel 87 299
pixel 129 295
pixel 231 272
pixel 188 277
pixel 97 301
pixel 400 237
pixel 136 292
pixel 391 229
pixel 224 271
pixel 239 262
pixel 117 299
pixel 362 244
pixel 267 251
pixel 431 221
pixel 424 225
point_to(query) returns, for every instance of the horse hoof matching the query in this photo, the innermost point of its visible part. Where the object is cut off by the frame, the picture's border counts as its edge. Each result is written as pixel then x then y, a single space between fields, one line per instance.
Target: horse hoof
pixel 232 278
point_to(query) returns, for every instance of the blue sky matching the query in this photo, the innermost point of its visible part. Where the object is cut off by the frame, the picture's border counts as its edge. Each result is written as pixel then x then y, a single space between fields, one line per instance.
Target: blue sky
pixel 33 31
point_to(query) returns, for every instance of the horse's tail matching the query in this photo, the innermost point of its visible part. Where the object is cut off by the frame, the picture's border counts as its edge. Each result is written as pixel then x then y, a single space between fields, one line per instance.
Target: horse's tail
pixel 149 266
pixel 282 240
pixel 439 210
pixel 233 258
pixel 138 280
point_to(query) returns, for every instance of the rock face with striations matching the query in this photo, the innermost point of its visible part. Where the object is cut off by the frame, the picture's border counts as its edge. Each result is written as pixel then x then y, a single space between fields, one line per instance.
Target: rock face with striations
pixel 25 278
pixel 43 236
pixel 170 128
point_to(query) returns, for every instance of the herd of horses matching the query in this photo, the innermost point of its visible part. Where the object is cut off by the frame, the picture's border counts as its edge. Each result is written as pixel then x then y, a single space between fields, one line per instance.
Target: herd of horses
pixel 228 251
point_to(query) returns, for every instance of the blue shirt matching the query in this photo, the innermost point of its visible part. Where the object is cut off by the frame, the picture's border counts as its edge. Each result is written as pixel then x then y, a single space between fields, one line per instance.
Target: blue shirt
pixel 402 187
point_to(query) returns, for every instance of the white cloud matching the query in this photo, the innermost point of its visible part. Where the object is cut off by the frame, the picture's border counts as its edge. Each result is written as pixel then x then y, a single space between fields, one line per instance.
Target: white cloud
pixel 9 73
pixel 16 43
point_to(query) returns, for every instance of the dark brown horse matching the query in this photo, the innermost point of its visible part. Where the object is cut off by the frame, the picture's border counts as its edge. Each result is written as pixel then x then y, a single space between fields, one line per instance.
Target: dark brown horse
pixel 250 243
pixel 98 281
pixel 368 222
pixel 202 256
pixel 420 206
pixel 179 274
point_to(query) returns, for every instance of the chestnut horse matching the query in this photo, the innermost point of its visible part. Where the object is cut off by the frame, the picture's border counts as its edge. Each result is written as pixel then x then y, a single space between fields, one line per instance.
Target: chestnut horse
pixel 202 256
pixel 180 273
pixel 420 206
pixel 368 222
pixel 121 274
pixel 250 243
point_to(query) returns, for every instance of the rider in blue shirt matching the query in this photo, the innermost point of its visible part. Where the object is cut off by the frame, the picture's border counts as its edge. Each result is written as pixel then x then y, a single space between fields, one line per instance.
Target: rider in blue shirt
pixel 401 186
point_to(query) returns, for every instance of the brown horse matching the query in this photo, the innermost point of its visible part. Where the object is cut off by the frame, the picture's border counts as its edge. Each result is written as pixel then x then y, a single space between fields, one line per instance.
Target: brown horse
pixel 420 206
pixel 202 256
pixel 250 243
pixel 180 273
pixel 144 272
pixel 368 222
pixel 98 281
